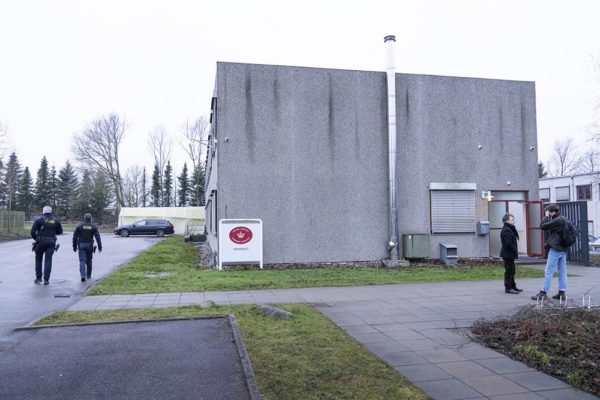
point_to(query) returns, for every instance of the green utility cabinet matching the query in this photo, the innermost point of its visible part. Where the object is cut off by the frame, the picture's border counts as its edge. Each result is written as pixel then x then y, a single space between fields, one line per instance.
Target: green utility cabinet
pixel 415 245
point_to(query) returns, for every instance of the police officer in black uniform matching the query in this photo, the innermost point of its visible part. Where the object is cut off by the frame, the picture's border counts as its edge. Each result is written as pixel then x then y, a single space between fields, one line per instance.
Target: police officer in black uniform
pixel 84 234
pixel 44 231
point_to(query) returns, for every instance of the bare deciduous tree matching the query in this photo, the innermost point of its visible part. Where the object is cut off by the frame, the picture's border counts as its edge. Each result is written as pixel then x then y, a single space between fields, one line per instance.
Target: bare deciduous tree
pixel 99 144
pixel 3 139
pixel 159 143
pixel 588 162
pixel 564 159
pixel 133 188
pixel 194 139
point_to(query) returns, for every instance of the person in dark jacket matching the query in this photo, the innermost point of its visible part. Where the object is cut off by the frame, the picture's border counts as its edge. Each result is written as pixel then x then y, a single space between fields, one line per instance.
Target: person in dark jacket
pixel 509 252
pixel 44 231
pixel 83 238
pixel 554 223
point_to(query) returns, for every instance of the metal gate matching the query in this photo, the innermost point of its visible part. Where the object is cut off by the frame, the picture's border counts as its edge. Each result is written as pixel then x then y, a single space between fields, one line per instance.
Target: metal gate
pixel 576 212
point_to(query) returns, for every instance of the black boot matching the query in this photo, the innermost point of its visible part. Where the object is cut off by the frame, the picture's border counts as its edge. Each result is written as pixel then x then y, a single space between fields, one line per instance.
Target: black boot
pixel 541 295
pixel 560 295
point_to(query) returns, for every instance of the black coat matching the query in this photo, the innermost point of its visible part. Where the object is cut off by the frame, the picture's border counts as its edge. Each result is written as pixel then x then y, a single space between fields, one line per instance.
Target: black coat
pixel 509 237
pixel 554 226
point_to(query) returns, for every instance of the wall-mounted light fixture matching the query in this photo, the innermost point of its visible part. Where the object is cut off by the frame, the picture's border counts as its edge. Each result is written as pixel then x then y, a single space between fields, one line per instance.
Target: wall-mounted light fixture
pixel 487 195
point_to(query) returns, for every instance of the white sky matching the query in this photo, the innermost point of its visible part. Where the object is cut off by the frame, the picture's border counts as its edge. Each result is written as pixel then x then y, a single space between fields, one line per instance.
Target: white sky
pixel 65 62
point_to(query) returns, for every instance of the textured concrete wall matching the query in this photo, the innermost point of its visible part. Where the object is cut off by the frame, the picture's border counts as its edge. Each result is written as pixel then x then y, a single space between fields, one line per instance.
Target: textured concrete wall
pixel 305 150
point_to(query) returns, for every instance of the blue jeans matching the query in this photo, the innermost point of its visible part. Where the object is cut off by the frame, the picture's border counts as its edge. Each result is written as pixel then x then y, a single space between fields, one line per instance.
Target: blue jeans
pixel 556 259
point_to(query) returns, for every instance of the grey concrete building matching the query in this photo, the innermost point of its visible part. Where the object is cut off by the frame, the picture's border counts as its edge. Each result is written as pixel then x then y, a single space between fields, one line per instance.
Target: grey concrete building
pixel 305 150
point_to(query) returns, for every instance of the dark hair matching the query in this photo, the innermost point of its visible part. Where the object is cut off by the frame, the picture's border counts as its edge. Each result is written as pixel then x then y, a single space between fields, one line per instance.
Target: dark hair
pixel 507 217
pixel 552 208
pixel 87 217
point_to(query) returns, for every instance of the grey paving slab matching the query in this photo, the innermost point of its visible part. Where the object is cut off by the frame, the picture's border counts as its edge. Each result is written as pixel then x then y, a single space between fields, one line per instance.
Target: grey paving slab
pixel 518 396
pixel 536 381
pixel 404 358
pixel 423 372
pixel 385 347
pixel 370 337
pixel 563 394
pixel 449 389
pixel 464 369
pixel 493 385
pixel 440 355
pixel 504 365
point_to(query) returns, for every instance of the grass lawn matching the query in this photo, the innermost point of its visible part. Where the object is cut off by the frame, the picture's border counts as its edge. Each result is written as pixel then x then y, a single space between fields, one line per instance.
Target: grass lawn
pixel 13 235
pixel 177 260
pixel 303 357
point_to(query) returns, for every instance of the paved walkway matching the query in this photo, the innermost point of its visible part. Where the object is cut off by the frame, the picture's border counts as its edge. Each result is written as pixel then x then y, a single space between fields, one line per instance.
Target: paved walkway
pixel 412 328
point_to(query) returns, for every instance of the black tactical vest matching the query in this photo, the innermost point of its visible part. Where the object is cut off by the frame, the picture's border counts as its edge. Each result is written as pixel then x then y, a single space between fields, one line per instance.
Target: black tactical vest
pixel 86 232
pixel 48 228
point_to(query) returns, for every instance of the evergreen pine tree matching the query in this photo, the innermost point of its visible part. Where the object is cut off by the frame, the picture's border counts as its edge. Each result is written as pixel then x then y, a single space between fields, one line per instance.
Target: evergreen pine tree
pixel 101 197
pixel 53 183
pixel 2 186
pixel 197 187
pixel 25 195
pixel 42 192
pixel 155 188
pixel 11 181
pixel 68 183
pixel 83 202
pixel 184 187
pixel 168 186
pixel 144 191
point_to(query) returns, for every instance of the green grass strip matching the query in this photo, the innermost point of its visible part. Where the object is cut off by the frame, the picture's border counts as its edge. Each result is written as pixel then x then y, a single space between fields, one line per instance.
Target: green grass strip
pixel 176 259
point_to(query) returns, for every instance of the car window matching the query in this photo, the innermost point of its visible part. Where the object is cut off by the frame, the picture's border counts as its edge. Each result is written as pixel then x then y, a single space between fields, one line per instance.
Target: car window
pixel 141 223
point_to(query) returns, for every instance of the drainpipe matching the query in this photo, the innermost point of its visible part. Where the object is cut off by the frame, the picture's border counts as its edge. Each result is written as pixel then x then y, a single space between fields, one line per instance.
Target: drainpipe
pixel 392 244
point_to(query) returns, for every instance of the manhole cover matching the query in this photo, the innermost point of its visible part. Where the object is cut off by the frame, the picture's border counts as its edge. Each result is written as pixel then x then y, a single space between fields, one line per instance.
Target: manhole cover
pixel 159 275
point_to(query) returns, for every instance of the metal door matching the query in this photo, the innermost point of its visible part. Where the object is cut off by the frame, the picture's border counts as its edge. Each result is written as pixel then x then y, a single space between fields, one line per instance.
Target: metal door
pixel 535 236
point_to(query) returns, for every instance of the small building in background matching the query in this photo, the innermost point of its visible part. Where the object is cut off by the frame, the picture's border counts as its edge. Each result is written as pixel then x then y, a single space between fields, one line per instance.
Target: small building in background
pixel 579 187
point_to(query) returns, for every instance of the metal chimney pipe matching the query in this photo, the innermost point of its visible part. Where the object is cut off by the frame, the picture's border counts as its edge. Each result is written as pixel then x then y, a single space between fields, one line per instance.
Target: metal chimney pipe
pixel 393 248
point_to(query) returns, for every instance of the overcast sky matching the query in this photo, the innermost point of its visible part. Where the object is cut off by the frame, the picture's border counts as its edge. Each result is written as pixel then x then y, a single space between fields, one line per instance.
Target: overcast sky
pixel 64 63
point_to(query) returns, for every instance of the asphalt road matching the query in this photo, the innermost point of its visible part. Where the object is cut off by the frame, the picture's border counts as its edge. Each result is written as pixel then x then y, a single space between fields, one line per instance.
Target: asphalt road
pixel 22 301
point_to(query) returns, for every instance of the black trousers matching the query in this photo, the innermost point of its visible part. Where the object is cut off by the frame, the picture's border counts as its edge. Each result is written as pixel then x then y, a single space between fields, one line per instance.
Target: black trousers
pixel 44 251
pixel 509 273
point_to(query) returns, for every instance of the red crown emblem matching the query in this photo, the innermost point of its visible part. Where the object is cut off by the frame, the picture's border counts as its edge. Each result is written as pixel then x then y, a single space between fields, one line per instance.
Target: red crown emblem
pixel 240 235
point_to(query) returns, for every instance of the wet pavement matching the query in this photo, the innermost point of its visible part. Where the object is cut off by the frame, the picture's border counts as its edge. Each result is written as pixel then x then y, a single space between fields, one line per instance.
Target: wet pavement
pixel 177 359
pixel 22 301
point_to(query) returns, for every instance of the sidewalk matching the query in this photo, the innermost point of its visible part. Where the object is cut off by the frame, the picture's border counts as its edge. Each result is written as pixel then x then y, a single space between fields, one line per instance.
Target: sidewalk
pixel 412 328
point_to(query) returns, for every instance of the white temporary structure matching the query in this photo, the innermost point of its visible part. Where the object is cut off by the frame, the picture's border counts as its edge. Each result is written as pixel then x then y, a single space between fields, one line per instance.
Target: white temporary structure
pixel 187 220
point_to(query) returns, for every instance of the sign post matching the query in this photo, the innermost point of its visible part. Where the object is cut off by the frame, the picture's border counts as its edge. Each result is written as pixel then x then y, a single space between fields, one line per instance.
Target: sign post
pixel 240 241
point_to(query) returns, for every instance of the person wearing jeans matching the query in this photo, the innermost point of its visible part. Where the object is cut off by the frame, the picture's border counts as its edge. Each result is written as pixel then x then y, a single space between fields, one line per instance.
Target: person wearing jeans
pixel 554 223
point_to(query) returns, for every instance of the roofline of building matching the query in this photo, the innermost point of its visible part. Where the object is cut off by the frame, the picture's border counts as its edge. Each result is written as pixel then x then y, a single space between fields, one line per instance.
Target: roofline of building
pixel 377 72
pixel 569 176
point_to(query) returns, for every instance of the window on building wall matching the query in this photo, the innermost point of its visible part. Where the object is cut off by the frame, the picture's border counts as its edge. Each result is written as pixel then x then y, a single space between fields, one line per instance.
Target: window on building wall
pixel 545 195
pixel 452 211
pixel 591 228
pixel 209 217
pixel 562 193
pixel 584 192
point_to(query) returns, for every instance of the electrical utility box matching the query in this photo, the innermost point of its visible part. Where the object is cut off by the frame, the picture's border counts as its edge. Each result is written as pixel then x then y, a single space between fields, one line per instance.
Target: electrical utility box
pixel 483 228
pixel 415 245
pixel 449 253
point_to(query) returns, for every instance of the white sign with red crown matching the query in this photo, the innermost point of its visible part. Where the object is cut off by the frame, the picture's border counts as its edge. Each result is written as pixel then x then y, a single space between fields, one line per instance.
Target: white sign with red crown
pixel 240 242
